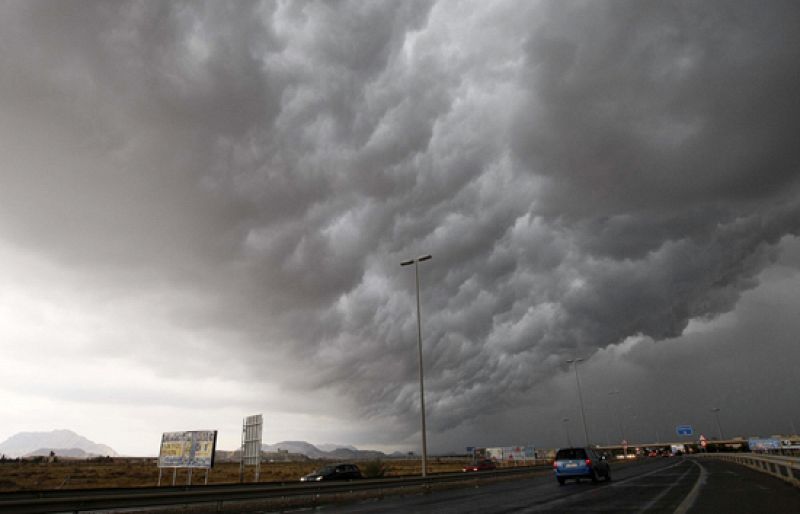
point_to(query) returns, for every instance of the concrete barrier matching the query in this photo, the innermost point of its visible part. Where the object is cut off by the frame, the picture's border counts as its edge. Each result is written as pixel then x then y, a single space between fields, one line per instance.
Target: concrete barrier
pixel 785 468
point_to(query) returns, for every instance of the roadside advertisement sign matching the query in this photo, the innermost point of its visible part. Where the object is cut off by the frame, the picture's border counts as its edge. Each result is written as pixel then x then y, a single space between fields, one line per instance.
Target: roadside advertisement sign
pixel 495 454
pixel 514 453
pixel 511 453
pixel 189 449
pixel 763 445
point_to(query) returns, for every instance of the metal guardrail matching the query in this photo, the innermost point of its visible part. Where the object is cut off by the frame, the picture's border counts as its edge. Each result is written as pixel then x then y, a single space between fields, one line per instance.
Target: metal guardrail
pixel 785 468
pixel 86 500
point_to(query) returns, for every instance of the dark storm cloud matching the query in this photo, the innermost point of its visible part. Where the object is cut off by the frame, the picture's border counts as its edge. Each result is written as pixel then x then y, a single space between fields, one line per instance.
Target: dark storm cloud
pixel 648 106
pixel 582 172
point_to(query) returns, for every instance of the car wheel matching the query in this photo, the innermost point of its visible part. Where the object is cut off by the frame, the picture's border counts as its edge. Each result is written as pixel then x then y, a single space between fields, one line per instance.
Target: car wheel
pixel 560 480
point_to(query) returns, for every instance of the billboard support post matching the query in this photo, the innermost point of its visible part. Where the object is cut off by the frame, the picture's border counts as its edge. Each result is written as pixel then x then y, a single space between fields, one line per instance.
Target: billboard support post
pixel 251 445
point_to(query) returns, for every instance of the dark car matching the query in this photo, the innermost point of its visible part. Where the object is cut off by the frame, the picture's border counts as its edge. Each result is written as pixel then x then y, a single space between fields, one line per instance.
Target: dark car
pixel 580 463
pixel 336 472
pixel 481 465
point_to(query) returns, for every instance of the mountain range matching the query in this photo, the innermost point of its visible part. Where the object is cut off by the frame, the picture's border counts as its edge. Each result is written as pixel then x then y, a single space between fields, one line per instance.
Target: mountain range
pixel 65 443
pixel 330 451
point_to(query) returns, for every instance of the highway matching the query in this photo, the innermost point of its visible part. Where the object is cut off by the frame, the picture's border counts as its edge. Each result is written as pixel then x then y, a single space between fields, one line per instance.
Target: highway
pixel 675 485
pixel 664 485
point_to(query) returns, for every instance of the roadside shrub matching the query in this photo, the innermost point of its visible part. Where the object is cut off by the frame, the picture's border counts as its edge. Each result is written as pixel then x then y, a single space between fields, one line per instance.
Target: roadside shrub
pixel 374 469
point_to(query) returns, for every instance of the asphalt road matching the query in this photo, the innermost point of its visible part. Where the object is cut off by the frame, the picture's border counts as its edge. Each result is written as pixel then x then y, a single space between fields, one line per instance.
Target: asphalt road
pixel 666 485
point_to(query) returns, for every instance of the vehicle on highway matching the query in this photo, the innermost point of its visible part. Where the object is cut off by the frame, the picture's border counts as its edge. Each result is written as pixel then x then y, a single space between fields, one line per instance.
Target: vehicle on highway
pixel 335 472
pixel 580 463
pixel 481 465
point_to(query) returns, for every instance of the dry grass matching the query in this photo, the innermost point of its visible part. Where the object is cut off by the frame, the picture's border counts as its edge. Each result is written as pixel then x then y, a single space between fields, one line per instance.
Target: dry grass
pixel 128 472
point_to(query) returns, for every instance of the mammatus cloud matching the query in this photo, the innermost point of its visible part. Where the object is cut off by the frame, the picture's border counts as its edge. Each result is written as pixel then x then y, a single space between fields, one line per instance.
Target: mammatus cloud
pixel 582 172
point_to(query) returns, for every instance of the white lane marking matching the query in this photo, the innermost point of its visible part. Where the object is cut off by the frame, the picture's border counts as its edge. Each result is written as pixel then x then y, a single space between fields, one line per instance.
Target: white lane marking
pixel 660 495
pixel 548 505
pixel 687 502
pixel 624 482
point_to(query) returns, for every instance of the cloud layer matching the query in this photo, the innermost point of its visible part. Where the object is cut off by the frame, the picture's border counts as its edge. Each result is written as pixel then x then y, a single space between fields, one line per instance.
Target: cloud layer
pixel 251 175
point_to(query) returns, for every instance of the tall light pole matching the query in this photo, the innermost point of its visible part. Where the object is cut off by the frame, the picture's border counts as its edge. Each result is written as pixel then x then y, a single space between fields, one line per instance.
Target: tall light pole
pixel 715 410
pixel 566 431
pixel 618 414
pixel 575 362
pixel 416 262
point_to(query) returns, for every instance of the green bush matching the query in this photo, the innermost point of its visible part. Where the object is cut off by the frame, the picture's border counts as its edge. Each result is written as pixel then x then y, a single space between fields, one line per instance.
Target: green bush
pixel 373 469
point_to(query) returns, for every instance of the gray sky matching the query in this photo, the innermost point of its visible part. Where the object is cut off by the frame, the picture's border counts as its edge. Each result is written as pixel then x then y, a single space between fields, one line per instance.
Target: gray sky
pixel 203 208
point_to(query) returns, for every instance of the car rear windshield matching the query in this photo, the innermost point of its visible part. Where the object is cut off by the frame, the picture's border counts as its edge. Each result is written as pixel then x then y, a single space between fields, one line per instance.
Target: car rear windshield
pixel 571 454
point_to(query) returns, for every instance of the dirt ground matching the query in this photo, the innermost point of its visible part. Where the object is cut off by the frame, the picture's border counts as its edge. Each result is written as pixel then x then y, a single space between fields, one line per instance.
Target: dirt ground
pixel 143 472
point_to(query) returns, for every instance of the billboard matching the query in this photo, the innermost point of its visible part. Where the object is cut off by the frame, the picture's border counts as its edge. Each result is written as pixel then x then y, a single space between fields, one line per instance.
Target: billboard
pixel 511 453
pixel 517 453
pixel 189 449
pixel 762 445
pixel 495 454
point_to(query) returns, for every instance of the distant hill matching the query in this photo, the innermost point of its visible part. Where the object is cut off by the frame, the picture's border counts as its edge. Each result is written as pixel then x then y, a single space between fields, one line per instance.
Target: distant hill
pixel 59 441
pixel 71 453
pixel 301 447
pixel 329 447
pixel 313 452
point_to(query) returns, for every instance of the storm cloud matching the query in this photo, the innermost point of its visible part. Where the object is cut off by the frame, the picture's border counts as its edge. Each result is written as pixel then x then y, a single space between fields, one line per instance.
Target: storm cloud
pixel 583 173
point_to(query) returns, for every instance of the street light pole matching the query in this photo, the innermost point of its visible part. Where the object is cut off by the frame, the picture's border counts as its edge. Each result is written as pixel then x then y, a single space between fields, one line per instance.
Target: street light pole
pixel 416 262
pixel 618 413
pixel 575 362
pixel 715 410
pixel 566 431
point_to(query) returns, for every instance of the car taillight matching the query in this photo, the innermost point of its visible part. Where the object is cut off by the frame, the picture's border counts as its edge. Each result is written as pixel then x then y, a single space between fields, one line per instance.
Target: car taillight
pixel 555 465
pixel 589 462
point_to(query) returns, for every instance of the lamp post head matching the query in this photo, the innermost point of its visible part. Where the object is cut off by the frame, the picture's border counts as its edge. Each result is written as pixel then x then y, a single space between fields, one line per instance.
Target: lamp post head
pixel 418 259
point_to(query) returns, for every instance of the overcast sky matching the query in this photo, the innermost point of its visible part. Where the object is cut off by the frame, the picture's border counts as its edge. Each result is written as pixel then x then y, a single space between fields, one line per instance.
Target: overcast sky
pixel 204 207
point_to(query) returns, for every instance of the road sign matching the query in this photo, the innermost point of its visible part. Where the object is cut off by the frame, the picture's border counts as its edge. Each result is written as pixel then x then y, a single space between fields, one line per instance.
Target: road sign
pixel 684 430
